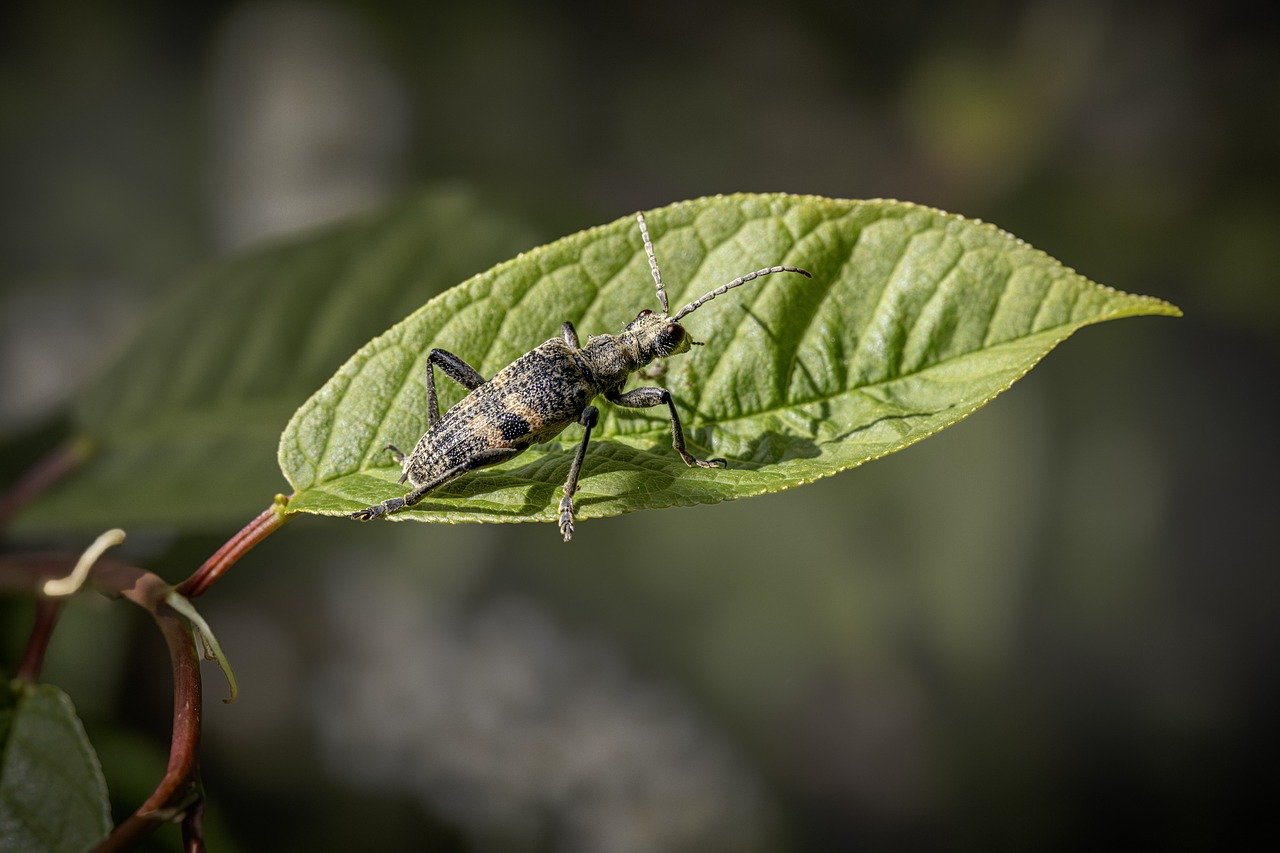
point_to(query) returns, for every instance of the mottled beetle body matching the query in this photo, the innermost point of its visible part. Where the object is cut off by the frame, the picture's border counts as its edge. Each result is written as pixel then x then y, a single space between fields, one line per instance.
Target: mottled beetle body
pixel 530 400
pixel 538 395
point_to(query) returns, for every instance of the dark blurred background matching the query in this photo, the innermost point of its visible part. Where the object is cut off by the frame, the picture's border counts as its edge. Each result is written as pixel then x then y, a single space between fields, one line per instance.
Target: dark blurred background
pixel 1051 624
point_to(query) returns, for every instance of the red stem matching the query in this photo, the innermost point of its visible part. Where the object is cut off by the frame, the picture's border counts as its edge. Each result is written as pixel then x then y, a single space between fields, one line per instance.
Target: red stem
pixel 177 796
pixel 178 791
pixel 47 610
pixel 193 829
pixel 236 547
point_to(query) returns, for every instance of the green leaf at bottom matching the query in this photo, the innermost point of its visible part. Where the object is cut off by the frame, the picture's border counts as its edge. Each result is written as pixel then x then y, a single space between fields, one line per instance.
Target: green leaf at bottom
pixel 52 794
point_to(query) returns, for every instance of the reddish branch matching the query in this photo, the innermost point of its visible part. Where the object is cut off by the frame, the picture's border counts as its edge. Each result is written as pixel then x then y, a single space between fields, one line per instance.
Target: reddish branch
pixel 193 828
pixel 47 610
pixel 178 791
pixel 177 797
pixel 236 547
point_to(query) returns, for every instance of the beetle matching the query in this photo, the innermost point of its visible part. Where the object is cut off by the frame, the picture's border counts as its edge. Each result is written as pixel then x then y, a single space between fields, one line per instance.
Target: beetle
pixel 542 392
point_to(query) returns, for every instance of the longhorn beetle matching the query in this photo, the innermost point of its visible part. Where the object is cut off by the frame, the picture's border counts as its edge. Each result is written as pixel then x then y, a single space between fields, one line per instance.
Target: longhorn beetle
pixel 543 391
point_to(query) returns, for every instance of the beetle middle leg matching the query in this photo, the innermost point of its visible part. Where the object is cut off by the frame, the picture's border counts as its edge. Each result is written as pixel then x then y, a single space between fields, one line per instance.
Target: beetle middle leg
pixel 590 415
pixel 398 455
pixel 657 370
pixel 456 369
pixel 480 460
pixel 645 398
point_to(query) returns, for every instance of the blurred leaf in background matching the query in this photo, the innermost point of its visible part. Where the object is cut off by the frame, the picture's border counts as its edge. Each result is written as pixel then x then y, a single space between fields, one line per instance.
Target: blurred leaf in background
pixel 181 429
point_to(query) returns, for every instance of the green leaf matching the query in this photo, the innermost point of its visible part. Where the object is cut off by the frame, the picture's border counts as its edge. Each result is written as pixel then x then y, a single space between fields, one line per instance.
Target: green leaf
pixel 184 425
pixel 52 794
pixel 914 319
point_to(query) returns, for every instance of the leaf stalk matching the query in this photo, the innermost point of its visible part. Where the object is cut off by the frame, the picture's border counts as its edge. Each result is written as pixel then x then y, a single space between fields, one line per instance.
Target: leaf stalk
pixel 262 526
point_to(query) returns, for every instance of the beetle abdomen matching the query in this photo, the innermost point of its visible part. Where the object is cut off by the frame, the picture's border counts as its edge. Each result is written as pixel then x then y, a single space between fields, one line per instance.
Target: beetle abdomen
pixel 530 400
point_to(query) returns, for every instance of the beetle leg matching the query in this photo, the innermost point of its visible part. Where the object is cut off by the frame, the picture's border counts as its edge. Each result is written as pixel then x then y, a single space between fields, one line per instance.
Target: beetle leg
pixel 590 415
pixel 481 460
pixel 456 369
pixel 398 455
pixel 644 398
pixel 656 370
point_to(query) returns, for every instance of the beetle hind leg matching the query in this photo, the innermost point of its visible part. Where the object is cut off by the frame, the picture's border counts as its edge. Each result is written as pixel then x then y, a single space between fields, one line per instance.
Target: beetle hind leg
pixel 456 369
pixel 369 513
pixel 393 505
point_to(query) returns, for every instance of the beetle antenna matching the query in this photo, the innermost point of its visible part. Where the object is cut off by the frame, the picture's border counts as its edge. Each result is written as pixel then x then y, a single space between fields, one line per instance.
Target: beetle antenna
pixel 751 276
pixel 653 262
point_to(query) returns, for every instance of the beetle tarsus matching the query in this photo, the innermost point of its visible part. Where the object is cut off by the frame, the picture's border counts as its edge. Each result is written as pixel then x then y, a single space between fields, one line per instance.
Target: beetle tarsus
pixel 566 517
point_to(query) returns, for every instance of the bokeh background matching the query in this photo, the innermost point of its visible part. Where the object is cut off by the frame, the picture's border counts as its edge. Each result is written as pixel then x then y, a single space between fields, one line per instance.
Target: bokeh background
pixel 1053 623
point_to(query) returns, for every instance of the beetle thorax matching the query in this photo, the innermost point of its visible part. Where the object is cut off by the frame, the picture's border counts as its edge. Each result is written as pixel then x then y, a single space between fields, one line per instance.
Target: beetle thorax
pixel 612 358
pixel 648 337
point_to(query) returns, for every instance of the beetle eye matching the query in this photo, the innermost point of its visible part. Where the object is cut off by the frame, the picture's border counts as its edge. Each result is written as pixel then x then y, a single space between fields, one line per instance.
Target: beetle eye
pixel 643 313
pixel 671 336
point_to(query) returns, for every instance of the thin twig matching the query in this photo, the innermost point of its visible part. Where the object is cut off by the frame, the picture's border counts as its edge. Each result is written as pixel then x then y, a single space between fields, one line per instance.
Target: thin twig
pixel 262 526
pixel 47 610
pixel 51 468
pixel 193 829
pixel 178 790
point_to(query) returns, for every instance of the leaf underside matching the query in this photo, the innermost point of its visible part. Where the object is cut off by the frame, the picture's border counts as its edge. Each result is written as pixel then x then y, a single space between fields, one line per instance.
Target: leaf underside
pixel 914 318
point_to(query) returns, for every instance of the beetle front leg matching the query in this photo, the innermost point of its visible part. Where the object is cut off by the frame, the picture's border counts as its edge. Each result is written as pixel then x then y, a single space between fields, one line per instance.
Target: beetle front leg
pixel 590 415
pixel 645 398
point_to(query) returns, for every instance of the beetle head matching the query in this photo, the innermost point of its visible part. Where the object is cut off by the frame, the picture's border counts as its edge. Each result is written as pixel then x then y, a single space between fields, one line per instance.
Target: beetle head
pixel 658 335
